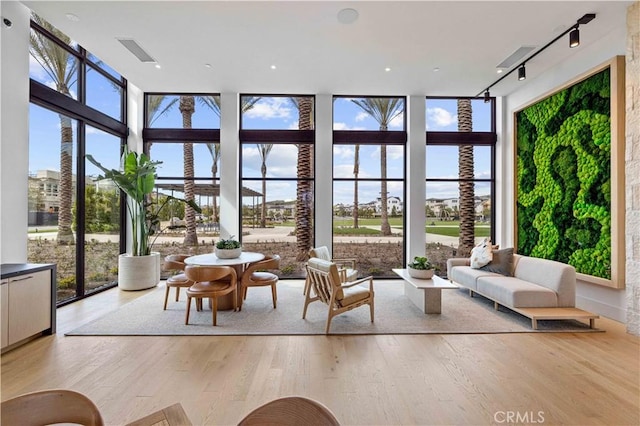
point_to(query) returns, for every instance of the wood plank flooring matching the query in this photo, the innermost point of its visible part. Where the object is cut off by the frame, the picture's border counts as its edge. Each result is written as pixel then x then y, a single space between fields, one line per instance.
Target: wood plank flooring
pixel 577 379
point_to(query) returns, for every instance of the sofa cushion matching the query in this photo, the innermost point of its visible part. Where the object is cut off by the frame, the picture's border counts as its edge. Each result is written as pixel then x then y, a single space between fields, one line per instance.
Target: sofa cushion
pixel 502 262
pixel 556 276
pixel 467 276
pixel 516 293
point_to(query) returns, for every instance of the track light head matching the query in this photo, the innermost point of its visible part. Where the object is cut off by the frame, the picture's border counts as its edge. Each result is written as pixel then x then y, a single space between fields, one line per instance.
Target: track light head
pixel 574 37
pixel 487 96
pixel 522 73
pixel 586 18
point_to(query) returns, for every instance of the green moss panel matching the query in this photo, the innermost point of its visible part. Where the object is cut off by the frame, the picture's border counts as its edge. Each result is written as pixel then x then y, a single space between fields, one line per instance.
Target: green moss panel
pixel 563 177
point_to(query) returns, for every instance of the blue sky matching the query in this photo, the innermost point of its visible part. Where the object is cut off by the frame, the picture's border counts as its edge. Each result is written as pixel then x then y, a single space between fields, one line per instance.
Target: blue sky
pixel 268 113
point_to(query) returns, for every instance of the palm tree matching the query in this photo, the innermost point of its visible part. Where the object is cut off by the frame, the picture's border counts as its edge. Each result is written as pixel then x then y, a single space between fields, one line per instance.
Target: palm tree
pixel 62 68
pixel 264 149
pixel 303 188
pixel 465 176
pixel 383 110
pixel 154 102
pixel 187 108
pixel 213 102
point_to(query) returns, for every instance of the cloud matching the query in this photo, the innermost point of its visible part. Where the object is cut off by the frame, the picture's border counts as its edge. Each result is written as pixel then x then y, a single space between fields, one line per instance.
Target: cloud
pixel 344 126
pixel 270 108
pixel 397 122
pixel 440 117
pixel 361 116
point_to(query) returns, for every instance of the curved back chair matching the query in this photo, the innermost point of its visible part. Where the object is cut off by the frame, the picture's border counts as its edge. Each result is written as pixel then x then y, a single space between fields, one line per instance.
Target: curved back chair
pixel 175 262
pixel 346 267
pixel 256 276
pixel 325 281
pixel 50 406
pixel 291 411
pixel 211 282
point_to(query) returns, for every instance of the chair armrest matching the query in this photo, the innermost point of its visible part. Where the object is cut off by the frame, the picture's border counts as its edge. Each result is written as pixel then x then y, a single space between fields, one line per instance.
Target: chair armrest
pixel 358 281
pixel 350 262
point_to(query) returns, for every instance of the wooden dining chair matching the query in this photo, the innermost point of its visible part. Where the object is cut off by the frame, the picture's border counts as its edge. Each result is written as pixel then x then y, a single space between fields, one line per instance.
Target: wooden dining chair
pixel 175 262
pixel 51 406
pixel 211 282
pixel 256 276
pixel 291 411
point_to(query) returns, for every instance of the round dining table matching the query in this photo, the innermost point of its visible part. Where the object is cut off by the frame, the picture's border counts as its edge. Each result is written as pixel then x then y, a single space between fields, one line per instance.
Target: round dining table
pixel 238 263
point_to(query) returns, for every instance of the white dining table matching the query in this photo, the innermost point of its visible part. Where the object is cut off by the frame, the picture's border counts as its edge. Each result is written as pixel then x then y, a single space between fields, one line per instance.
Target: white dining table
pixel 238 263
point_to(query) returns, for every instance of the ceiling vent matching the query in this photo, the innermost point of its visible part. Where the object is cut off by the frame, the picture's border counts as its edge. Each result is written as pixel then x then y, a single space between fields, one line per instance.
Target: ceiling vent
pixel 133 47
pixel 515 57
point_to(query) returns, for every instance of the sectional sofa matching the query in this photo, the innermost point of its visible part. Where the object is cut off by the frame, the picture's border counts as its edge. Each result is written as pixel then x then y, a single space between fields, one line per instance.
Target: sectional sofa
pixel 537 288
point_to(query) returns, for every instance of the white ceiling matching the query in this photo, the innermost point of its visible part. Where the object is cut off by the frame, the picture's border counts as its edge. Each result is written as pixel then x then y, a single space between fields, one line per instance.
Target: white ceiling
pixel 314 53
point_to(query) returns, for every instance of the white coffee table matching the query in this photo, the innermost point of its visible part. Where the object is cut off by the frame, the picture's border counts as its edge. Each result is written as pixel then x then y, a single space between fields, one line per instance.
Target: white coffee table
pixel 425 294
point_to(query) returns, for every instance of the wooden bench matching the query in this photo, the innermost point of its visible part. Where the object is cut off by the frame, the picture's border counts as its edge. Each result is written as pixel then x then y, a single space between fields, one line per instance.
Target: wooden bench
pixel 536 314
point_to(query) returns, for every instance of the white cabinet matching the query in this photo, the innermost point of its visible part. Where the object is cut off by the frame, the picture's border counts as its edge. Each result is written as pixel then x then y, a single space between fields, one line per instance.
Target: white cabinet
pixel 28 302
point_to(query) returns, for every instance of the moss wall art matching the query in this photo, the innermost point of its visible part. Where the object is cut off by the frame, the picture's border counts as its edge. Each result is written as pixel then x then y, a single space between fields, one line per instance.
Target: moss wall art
pixel 563 168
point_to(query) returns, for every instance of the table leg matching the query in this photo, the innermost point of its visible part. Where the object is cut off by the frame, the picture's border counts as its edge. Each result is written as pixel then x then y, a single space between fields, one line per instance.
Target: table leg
pixel 432 301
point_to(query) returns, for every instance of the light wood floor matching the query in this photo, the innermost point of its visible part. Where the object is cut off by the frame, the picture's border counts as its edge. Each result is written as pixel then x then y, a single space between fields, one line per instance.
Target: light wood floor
pixel 578 379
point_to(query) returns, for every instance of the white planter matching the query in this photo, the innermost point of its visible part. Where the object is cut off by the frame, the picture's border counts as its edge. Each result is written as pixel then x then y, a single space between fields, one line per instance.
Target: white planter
pixel 138 272
pixel 227 253
pixel 424 274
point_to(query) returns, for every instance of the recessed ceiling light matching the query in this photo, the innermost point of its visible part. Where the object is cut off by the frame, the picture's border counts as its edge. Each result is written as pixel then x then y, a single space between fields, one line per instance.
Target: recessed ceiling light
pixel 273 67
pixel 348 16
pixel 436 69
pixel 207 65
pixel 72 17
pixel 158 66
pixel 387 69
pixel 499 70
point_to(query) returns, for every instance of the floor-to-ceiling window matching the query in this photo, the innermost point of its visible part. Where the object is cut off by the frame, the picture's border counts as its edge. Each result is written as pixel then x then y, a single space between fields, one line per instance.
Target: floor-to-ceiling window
pixel 277 174
pixel 182 131
pixel 369 141
pixel 77 108
pixel 460 170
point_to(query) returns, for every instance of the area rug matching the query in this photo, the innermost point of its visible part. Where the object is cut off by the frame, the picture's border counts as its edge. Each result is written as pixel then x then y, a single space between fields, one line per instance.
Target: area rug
pixel 394 314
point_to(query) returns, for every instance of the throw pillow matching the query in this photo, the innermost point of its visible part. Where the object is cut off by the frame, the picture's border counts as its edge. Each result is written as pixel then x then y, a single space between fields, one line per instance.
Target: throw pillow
pixel 481 254
pixel 502 262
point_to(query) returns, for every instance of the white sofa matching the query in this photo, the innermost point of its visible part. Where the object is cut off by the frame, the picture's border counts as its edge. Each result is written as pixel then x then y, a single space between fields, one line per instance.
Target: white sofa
pixel 536 283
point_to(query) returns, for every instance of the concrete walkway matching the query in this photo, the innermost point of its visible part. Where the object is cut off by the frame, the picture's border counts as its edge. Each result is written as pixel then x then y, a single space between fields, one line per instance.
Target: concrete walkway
pixel 252 235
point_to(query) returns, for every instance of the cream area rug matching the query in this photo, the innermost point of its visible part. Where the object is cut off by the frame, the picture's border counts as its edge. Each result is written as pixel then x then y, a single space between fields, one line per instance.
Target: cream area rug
pixel 394 314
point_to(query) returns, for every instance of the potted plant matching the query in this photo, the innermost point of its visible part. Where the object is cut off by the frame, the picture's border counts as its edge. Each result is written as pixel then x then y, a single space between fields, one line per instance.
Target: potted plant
pixel 228 249
pixel 420 267
pixel 140 268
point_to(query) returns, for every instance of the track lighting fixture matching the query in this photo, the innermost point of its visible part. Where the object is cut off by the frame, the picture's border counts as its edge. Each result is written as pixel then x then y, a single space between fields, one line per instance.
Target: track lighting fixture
pixel 522 73
pixel 574 37
pixel 574 41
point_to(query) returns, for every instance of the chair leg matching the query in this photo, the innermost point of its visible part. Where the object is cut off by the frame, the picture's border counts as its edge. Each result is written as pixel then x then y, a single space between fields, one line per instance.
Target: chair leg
pixel 274 295
pixel 306 303
pixel 371 309
pixel 329 318
pixel 214 310
pixel 186 321
pixel 166 297
pixel 306 286
pixel 235 300
pixel 244 292
pixel 177 294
